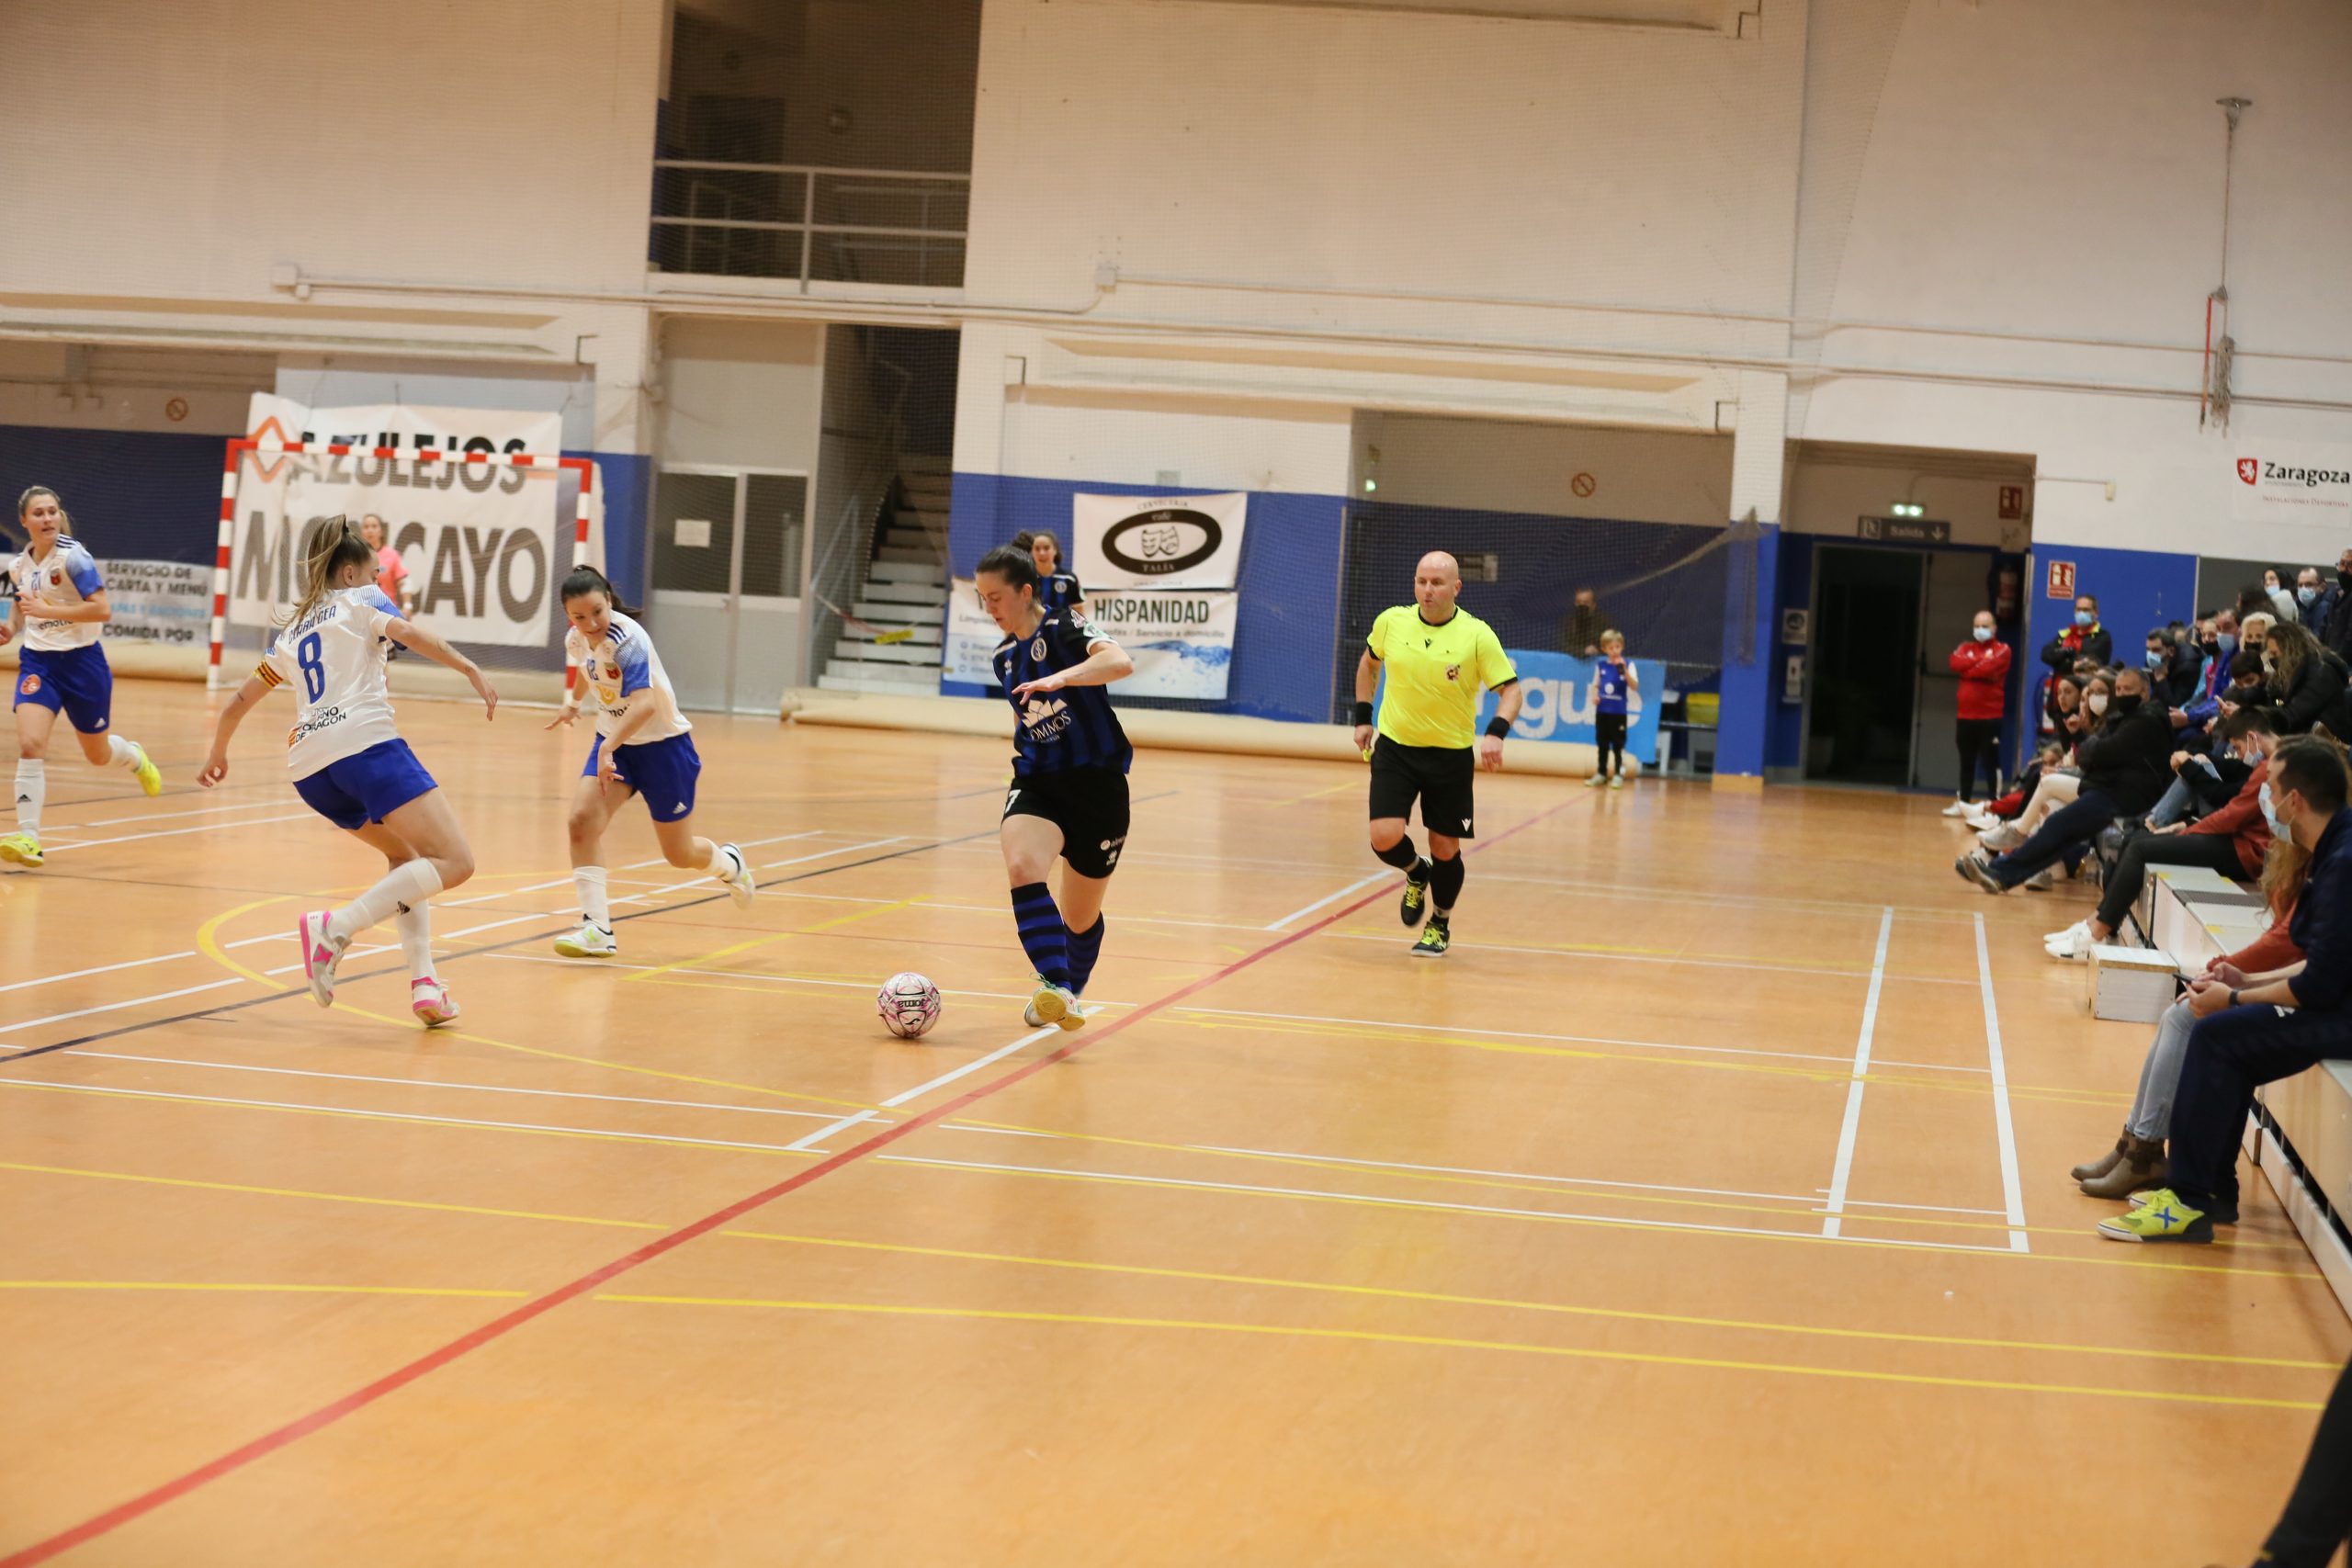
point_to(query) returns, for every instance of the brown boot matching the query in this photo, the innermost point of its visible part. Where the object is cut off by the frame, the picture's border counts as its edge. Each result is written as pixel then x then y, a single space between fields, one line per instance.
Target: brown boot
pixel 2105 1163
pixel 2142 1165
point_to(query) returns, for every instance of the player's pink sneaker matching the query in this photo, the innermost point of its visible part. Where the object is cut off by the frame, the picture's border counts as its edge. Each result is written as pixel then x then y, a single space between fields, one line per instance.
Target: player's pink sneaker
pixel 431 1003
pixel 320 954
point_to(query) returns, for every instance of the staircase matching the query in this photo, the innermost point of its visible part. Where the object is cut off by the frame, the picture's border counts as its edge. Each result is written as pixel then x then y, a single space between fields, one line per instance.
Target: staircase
pixel 905 587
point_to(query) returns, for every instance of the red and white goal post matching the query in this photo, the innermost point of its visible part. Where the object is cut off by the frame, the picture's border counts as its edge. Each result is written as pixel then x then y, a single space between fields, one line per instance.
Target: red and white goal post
pixel 231 473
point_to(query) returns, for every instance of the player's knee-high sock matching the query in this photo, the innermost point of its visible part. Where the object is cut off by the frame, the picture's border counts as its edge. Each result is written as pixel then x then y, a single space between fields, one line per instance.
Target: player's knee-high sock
pixel 121 753
pixel 1401 854
pixel 32 788
pixel 415 923
pixel 1085 947
pixel 410 881
pixel 1039 920
pixel 589 885
pixel 1445 883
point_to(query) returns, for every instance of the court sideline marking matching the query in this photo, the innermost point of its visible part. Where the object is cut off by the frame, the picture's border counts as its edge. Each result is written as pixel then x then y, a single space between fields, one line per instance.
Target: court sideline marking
pixel 360 1398
pixel 1850 1128
pixel 2012 1190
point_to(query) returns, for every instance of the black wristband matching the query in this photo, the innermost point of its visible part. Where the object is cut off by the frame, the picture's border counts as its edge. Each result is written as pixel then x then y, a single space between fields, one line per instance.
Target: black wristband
pixel 2234 999
pixel 1499 727
pixel 1363 713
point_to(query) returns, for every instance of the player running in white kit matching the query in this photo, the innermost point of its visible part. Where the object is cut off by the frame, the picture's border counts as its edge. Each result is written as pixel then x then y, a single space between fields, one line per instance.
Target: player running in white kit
pixel 351 766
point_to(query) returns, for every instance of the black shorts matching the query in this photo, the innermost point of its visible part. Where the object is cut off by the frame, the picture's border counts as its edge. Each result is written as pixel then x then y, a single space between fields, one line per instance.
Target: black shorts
pixel 1441 777
pixel 1089 804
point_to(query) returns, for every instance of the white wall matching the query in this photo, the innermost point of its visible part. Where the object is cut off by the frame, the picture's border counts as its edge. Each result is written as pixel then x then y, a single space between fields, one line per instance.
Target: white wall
pixel 1638 476
pixel 742 394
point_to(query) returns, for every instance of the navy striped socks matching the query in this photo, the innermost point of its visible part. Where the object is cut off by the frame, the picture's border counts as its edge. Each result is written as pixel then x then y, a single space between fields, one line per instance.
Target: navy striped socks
pixel 1043 936
pixel 1085 947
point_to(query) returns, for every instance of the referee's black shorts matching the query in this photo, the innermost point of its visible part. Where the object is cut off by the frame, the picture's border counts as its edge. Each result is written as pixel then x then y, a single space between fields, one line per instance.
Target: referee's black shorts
pixel 1440 777
pixel 1089 804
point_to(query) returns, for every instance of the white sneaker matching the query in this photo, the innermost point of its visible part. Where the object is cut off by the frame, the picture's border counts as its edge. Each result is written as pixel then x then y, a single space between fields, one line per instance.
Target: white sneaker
pixel 740 885
pixel 2003 837
pixel 431 1001
pixel 1960 808
pixel 1075 1018
pixel 591 940
pixel 2075 942
pixel 1980 820
pixel 1594 781
pixel 320 954
pixel 1617 780
pixel 2042 881
pixel 1054 1005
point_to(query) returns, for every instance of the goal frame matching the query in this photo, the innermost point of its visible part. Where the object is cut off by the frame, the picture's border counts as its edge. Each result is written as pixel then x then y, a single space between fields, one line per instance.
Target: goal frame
pixel 233 479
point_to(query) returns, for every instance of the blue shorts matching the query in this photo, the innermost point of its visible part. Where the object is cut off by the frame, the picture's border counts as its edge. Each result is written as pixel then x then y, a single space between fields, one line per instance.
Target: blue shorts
pixel 74 680
pixel 366 786
pixel 661 771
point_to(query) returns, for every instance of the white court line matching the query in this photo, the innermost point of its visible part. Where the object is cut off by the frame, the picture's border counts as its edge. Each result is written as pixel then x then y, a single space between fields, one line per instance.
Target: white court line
pixel 101 969
pixel 1635 1223
pixel 1852 1126
pixel 1691 962
pixel 176 832
pixel 444 1083
pixel 974 1065
pixel 565 880
pixel 170 816
pixel 112 1007
pixel 1329 898
pixel 1509 1175
pixel 1922 1208
pixel 2012 1194
pixel 393 1115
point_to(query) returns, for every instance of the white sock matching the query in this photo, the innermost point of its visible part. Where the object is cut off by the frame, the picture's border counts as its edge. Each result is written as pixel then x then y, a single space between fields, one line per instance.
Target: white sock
pixel 124 753
pixel 718 864
pixel 415 923
pixel 32 788
pixel 588 884
pixel 410 883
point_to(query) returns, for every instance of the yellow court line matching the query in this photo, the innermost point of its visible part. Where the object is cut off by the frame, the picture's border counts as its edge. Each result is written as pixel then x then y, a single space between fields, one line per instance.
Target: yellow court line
pixel 1374 1336
pixel 1317 794
pixel 1601 1222
pixel 231 1288
pixel 341 1112
pixel 734 948
pixel 1444 1298
pixel 251 1190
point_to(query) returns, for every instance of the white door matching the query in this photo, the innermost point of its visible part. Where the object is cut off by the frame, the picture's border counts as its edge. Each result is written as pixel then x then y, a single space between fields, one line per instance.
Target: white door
pixel 725 601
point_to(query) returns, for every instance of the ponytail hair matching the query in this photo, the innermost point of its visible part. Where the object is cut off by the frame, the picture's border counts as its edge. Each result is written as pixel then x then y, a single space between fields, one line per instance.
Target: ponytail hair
pixel 585 580
pixel 25 504
pixel 1012 563
pixel 334 545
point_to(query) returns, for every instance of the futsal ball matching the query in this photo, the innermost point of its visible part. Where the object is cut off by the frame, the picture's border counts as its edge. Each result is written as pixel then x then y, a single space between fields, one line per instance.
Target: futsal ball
pixel 908 1005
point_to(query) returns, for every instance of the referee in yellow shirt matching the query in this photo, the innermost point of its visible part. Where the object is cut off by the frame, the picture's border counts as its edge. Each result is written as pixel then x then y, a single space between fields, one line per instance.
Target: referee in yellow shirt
pixel 1437 656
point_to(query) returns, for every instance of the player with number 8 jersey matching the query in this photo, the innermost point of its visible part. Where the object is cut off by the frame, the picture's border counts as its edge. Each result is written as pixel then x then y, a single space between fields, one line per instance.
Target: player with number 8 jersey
pixel 351 766
pixel 1068 800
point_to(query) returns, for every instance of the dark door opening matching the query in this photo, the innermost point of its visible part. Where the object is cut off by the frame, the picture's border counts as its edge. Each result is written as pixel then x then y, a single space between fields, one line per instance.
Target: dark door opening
pixel 1865 674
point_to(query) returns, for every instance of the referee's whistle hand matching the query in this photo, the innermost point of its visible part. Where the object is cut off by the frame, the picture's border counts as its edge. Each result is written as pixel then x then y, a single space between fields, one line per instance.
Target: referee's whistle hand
pixel 1364 738
pixel 1490 752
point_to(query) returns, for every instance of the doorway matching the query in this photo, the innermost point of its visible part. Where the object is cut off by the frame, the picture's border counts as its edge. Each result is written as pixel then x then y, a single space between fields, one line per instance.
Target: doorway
pixel 727 547
pixel 1861 719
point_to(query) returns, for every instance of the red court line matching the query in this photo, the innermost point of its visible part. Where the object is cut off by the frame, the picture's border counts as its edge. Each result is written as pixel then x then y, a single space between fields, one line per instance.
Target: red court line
pixel 359 1399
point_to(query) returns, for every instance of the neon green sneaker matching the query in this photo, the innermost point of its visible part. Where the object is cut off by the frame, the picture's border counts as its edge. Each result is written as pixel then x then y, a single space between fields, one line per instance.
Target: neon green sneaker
pixel 1417 893
pixel 150 777
pixel 2162 1218
pixel 20 849
pixel 1436 937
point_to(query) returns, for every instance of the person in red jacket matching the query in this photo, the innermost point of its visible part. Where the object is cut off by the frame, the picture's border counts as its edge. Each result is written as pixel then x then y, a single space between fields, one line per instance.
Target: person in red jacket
pixel 2232 841
pixel 1982 665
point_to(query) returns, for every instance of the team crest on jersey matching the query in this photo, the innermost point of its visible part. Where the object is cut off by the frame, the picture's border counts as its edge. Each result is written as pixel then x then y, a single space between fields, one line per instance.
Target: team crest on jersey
pixel 1038 648
pixel 29 686
pixel 56 576
pixel 1454 671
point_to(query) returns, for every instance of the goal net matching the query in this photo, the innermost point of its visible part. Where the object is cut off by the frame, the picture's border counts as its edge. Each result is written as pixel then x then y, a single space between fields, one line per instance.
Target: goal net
pixel 484 538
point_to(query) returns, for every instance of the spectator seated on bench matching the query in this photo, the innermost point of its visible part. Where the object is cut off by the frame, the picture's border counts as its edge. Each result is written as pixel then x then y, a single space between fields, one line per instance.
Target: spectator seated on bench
pixel 2123 774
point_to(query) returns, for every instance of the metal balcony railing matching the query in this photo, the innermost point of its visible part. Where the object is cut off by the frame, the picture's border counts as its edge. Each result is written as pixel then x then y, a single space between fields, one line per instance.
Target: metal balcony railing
pixel 799 221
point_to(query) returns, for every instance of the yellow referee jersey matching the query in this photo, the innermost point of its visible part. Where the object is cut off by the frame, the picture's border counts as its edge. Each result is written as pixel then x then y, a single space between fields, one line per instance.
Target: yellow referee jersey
pixel 1434 674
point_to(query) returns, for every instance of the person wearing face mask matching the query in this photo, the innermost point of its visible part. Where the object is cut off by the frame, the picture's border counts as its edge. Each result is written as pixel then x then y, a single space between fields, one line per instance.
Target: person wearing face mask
pixel 2196 716
pixel 2171 676
pixel 2312 598
pixel 2123 774
pixel 2335 621
pixel 2254 1028
pixel 2086 638
pixel 2282 598
pixel 1581 636
pixel 2206 778
pixel 2232 841
pixel 1982 665
pixel 2306 682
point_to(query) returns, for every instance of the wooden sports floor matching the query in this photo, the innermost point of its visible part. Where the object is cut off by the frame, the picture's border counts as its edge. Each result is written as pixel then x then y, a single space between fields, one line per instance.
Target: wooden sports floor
pixel 1584 1245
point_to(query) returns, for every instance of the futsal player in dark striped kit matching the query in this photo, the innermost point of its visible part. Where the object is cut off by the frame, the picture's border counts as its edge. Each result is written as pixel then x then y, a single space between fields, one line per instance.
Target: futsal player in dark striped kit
pixel 1069 800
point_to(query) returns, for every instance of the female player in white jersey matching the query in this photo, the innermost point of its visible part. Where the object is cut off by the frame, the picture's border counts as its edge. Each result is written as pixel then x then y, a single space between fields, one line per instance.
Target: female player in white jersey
pixel 350 765
pixel 60 604
pixel 642 747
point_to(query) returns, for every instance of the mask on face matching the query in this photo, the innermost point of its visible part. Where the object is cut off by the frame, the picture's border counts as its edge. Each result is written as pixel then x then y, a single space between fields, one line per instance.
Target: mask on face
pixel 2125 702
pixel 2343 577
pixel 2306 595
pixel 1984 633
pixel 2084 617
pixel 2155 658
pixel 2229 642
pixel 2270 663
pixel 2096 702
pixel 2277 828
pixel 2212 648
